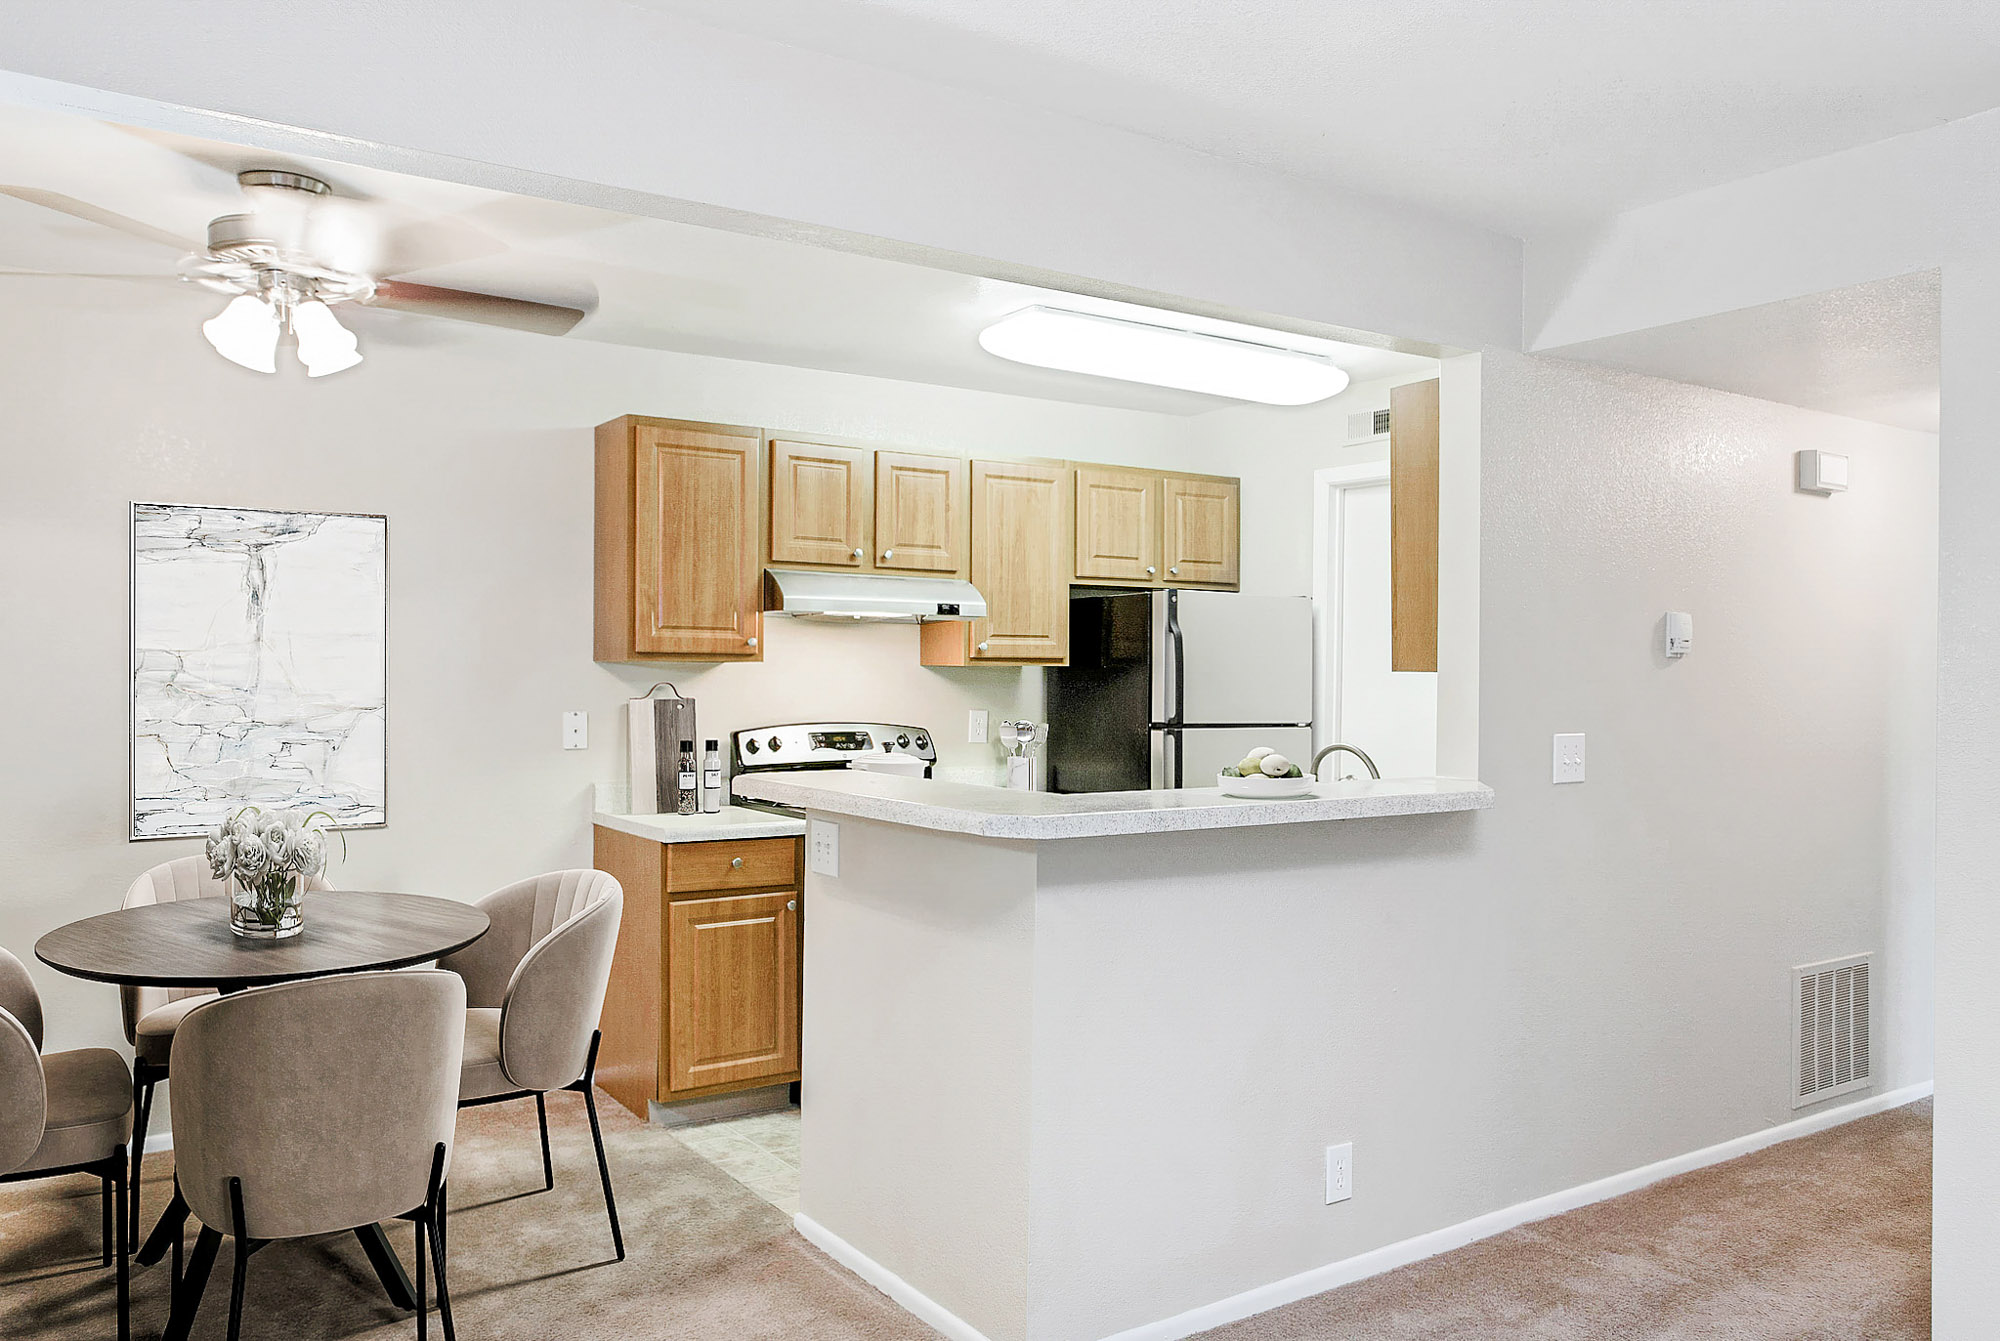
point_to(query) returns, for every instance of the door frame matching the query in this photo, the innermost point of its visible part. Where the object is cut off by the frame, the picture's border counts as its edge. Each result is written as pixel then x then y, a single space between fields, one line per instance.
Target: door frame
pixel 1329 485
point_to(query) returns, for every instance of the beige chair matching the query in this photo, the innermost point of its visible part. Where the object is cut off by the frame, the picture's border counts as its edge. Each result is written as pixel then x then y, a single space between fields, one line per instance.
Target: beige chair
pixel 67 1112
pixel 534 985
pixel 316 1107
pixel 152 1013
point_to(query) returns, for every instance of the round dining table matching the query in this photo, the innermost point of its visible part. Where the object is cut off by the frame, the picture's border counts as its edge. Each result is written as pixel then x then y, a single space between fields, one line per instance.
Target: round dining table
pixel 188 943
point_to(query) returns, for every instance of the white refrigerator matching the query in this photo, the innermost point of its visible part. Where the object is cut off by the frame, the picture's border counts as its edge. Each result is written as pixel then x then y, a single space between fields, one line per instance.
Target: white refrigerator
pixel 1166 688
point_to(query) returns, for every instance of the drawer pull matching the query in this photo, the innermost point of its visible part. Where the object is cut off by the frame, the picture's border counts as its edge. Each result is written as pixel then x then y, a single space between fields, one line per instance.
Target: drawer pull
pixel 791 905
pixel 1150 570
pixel 736 862
pixel 749 642
pixel 857 553
pixel 984 646
pixel 1174 572
pixel 888 554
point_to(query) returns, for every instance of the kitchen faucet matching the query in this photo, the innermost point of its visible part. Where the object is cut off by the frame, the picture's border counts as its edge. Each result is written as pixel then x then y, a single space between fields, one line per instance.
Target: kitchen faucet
pixel 1368 763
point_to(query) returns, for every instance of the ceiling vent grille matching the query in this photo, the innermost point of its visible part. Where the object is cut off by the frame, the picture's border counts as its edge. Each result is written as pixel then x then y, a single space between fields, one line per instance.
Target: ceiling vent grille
pixel 1831 1028
pixel 1362 427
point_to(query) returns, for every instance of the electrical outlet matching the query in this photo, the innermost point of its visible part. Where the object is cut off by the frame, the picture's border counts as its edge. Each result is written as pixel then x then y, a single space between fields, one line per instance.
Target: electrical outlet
pixel 1569 757
pixel 576 730
pixel 1339 1172
pixel 975 726
pixel 823 847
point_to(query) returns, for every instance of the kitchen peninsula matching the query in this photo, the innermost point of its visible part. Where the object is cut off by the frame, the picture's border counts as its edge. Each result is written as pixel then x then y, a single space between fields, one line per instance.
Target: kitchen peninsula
pixel 1072 1059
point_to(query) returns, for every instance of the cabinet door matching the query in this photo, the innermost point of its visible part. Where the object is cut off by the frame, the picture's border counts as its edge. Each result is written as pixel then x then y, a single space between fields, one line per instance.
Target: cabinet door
pixel 819 504
pixel 1021 561
pixel 1117 524
pixel 697 584
pixel 1201 531
pixel 732 990
pixel 919 513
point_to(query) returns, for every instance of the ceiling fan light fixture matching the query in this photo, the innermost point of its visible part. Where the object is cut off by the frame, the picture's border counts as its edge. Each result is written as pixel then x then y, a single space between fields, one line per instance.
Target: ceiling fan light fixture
pixel 325 346
pixel 245 333
pixel 1134 351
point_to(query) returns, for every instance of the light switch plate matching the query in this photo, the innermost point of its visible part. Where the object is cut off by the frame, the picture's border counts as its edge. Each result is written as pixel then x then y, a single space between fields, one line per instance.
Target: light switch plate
pixel 1339 1172
pixel 1569 757
pixel 576 731
pixel 823 847
pixel 975 726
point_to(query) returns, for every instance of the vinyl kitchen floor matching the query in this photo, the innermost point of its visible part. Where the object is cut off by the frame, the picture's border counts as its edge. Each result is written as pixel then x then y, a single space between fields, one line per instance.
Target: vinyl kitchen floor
pixel 760 1151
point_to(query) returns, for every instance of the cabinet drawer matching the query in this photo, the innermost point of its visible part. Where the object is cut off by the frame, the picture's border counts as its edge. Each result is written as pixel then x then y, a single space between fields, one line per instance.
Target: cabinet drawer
pixel 757 863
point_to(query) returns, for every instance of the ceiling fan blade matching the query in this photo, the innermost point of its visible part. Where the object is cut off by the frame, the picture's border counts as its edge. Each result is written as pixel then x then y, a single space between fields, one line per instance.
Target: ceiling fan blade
pixel 83 209
pixel 485 308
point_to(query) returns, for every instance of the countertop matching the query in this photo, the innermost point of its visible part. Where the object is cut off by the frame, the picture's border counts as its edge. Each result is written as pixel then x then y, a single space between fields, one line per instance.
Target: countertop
pixel 995 812
pixel 731 822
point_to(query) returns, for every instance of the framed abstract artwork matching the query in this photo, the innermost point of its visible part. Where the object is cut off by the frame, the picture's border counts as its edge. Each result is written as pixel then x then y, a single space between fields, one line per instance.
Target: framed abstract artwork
pixel 260 658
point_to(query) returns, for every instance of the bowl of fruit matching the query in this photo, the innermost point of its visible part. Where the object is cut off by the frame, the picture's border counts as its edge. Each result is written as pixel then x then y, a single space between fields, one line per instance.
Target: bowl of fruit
pixel 1264 775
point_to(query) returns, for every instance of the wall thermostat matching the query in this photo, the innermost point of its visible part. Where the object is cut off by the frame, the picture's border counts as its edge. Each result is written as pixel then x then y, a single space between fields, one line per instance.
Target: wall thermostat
pixel 1822 472
pixel 1679 627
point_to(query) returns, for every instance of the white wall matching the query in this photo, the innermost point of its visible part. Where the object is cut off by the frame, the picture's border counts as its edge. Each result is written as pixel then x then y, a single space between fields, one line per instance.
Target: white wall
pixel 477 444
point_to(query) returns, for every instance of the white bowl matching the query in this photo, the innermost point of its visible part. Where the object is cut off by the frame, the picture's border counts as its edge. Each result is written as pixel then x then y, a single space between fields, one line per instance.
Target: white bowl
pixel 1263 788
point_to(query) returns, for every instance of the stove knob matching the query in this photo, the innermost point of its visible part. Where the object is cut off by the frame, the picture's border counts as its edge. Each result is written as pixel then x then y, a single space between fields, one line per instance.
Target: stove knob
pixel 903 741
pixel 776 743
pixel 923 741
pixel 750 747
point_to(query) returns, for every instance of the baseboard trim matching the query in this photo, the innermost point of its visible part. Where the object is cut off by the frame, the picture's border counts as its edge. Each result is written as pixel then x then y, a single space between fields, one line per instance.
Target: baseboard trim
pixel 1389 1257
pixel 159 1141
pixel 1386 1258
pixel 913 1301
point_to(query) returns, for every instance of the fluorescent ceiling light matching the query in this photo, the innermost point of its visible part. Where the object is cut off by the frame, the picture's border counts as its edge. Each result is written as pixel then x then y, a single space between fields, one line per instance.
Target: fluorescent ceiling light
pixel 245 332
pixel 1132 351
pixel 325 346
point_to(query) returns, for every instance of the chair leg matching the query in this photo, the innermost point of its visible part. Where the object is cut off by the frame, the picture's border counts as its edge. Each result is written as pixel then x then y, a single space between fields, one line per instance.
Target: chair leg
pixel 104 1211
pixel 124 1252
pixel 438 1232
pixel 589 1087
pixel 143 1084
pixel 187 1299
pixel 166 1233
pixel 423 1310
pixel 548 1164
pixel 240 1267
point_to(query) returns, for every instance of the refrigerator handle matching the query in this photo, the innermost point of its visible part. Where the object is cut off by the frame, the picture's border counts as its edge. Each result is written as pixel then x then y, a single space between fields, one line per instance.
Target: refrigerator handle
pixel 1177 665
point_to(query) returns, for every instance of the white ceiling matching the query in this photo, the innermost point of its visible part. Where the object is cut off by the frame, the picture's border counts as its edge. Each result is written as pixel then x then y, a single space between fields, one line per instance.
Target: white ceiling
pixel 1521 115
pixel 655 283
pixel 1867 352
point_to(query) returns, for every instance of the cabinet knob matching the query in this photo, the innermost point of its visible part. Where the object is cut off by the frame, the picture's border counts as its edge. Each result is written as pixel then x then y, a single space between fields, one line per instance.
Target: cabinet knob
pixel 984 646
pixel 1150 570
pixel 1174 572
pixel 857 552
pixel 736 862
pixel 791 905
pixel 749 642
pixel 888 553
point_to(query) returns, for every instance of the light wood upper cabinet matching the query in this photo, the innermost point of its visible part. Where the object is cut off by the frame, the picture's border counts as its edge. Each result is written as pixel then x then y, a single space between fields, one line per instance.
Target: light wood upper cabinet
pixel 679 572
pixel 819 504
pixel 1413 526
pixel 1117 524
pixel 919 513
pixel 732 990
pixel 1201 526
pixel 1021 562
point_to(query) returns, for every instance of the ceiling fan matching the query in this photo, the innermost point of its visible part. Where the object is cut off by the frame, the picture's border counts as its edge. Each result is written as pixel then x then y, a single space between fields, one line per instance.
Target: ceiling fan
pixel 300 251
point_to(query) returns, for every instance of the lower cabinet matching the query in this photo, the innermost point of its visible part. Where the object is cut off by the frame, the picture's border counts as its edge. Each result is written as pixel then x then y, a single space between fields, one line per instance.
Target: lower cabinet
pixel 704 994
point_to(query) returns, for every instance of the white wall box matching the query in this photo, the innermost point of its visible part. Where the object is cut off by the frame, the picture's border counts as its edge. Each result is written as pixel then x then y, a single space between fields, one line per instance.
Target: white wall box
pixel 1822 472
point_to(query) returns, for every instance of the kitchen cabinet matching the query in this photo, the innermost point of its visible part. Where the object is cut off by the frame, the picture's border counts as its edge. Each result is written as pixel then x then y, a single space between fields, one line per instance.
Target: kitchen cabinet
pixel 920 511
pixel 1022 560
pixel 1201 531
pixel 1151 528
pixel 1413 526
pixel 819 505
pixel 1117 524
pixel 704 996
pixel 678 553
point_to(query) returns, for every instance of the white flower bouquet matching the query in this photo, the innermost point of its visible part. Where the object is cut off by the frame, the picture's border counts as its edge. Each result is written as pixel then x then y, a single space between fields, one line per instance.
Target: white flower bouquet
pixel 267 859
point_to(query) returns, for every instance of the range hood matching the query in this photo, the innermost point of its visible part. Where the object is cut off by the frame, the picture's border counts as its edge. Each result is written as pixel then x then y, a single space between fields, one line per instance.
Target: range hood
pixel 805 594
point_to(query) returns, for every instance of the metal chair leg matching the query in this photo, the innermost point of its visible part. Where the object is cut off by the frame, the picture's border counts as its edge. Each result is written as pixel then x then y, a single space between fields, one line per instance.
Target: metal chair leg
pixel 104 1211
pixel 166 1233
pixel 423 1309
pixel 442 1216
pixel 589 1087
pixel 187 1299
pixel 124 1251
pixel 240 1267
pixel 143 1084
pixel 548 1164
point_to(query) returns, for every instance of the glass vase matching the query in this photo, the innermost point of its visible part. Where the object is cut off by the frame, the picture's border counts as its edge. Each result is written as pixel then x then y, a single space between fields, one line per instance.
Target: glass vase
pixel 267 908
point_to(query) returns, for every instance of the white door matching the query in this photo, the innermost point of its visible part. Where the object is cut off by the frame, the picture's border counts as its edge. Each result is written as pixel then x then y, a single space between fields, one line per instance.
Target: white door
pixel 1390 714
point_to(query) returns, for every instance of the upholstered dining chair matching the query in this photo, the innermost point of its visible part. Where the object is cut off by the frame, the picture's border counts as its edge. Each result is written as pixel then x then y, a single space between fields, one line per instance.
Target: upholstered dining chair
pixel 314 1107
pixel 64 1112
pixel 152 1013
pixel 534 987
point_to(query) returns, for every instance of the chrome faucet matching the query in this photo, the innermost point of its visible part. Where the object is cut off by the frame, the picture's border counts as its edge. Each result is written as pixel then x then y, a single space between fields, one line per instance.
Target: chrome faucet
pixel 1366 762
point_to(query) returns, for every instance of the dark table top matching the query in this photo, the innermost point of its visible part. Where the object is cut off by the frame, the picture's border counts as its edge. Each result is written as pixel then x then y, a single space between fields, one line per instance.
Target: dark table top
pixel 188 943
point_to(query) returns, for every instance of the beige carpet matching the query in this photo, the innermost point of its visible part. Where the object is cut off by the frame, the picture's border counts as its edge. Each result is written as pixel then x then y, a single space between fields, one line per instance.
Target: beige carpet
pixel 1825 1239
pixel 1822 1239
pixel 707 1258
